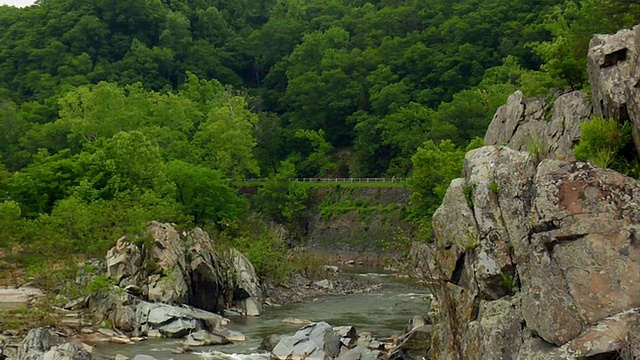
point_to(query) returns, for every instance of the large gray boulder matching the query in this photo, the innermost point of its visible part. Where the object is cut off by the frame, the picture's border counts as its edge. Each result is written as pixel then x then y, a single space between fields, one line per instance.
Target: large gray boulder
pixel 550 126
pixel 174 321
pixel 117 306
pixel 317 341
pixel 357 353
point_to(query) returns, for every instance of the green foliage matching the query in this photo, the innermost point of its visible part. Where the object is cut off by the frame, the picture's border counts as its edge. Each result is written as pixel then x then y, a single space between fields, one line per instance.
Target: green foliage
pixel 260 243
pixel 494 187
pixel 282 200
pixel 468 195
pixel 115 113
pixel 470 242
pixel 434 168
pixel 508 282
pixel 99 283
pixel 204 193
pixel 606 143
pixel 319 161
pixel 267 255
pixel 226 137
pixel 537 149
pixel 11 223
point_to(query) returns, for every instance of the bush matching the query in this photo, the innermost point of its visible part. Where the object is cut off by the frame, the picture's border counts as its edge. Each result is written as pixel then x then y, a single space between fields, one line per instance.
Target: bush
pixel 608 144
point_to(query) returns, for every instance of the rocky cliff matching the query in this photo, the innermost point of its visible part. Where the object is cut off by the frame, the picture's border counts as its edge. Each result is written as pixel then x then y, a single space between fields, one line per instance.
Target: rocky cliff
pixel 538 257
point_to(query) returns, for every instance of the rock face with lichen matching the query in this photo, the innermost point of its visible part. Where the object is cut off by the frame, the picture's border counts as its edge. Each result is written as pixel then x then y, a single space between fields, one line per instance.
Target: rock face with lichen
pixel 548 125
pixel 538 257
pixel 540 254
pixel 614 75
pixel 184 268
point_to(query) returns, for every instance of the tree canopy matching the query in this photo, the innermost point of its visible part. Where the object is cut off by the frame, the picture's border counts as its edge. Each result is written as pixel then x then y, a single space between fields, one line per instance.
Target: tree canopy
pixel 116 112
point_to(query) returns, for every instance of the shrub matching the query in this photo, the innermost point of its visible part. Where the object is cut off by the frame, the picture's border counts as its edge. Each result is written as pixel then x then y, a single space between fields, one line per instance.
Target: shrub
pixel 606 143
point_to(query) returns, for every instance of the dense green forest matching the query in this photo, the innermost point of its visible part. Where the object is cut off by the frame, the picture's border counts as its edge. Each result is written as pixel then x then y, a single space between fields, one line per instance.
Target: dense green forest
pixel 115 112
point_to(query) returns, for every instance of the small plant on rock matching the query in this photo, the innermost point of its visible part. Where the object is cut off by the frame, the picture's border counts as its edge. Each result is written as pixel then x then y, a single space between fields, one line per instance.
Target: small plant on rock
pixel 508 283
pixel 494 187
pixel 536 149
pixel 468 194
pixel 471 242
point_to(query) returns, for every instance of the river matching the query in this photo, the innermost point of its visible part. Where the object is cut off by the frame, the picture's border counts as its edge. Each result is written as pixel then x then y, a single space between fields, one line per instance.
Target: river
pixel 384 313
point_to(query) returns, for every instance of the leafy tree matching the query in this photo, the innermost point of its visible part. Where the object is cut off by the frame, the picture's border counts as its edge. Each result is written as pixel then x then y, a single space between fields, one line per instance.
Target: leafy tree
pixel 319 161
pixel 46 180
pixel 283 200
pixel 434 167
pixel 269 142
pixel 226 137
pixel 126 163
pixel 11 223
pixel 204 193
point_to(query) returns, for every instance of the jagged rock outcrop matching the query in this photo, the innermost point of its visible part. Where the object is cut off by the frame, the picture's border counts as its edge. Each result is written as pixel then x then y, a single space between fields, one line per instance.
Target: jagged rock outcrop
pixel 537 261
pixel 181 268
pixel 614 75
pixel 548 125
pixel 172 284
pixel 540 259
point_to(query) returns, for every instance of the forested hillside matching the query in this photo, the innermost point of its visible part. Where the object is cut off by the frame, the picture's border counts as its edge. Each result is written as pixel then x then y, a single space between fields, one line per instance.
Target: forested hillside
pixel 116 112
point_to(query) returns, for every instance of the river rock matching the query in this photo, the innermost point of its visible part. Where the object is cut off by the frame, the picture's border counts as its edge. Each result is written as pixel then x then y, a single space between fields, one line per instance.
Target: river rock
pixel 268 343
pixel 414 345
pixel 315 341
pixel 210 280
pixel 230 335
pixel 116 306
pixel 204 338
pixel 12 296
pixel 144 357
pixel 44 344
pixel 348 335
pixel 178 268
pixel 357 353
pixel 296 321
pixel 324 283
pixel 417 321
pixel 67 351
pixel 173 321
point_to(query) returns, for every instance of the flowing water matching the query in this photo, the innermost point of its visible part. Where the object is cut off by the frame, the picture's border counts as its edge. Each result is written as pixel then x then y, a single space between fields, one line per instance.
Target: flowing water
pixel 384 313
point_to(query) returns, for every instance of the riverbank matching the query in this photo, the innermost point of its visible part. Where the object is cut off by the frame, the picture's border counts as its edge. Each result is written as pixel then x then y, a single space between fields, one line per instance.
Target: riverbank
pixel 374 303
